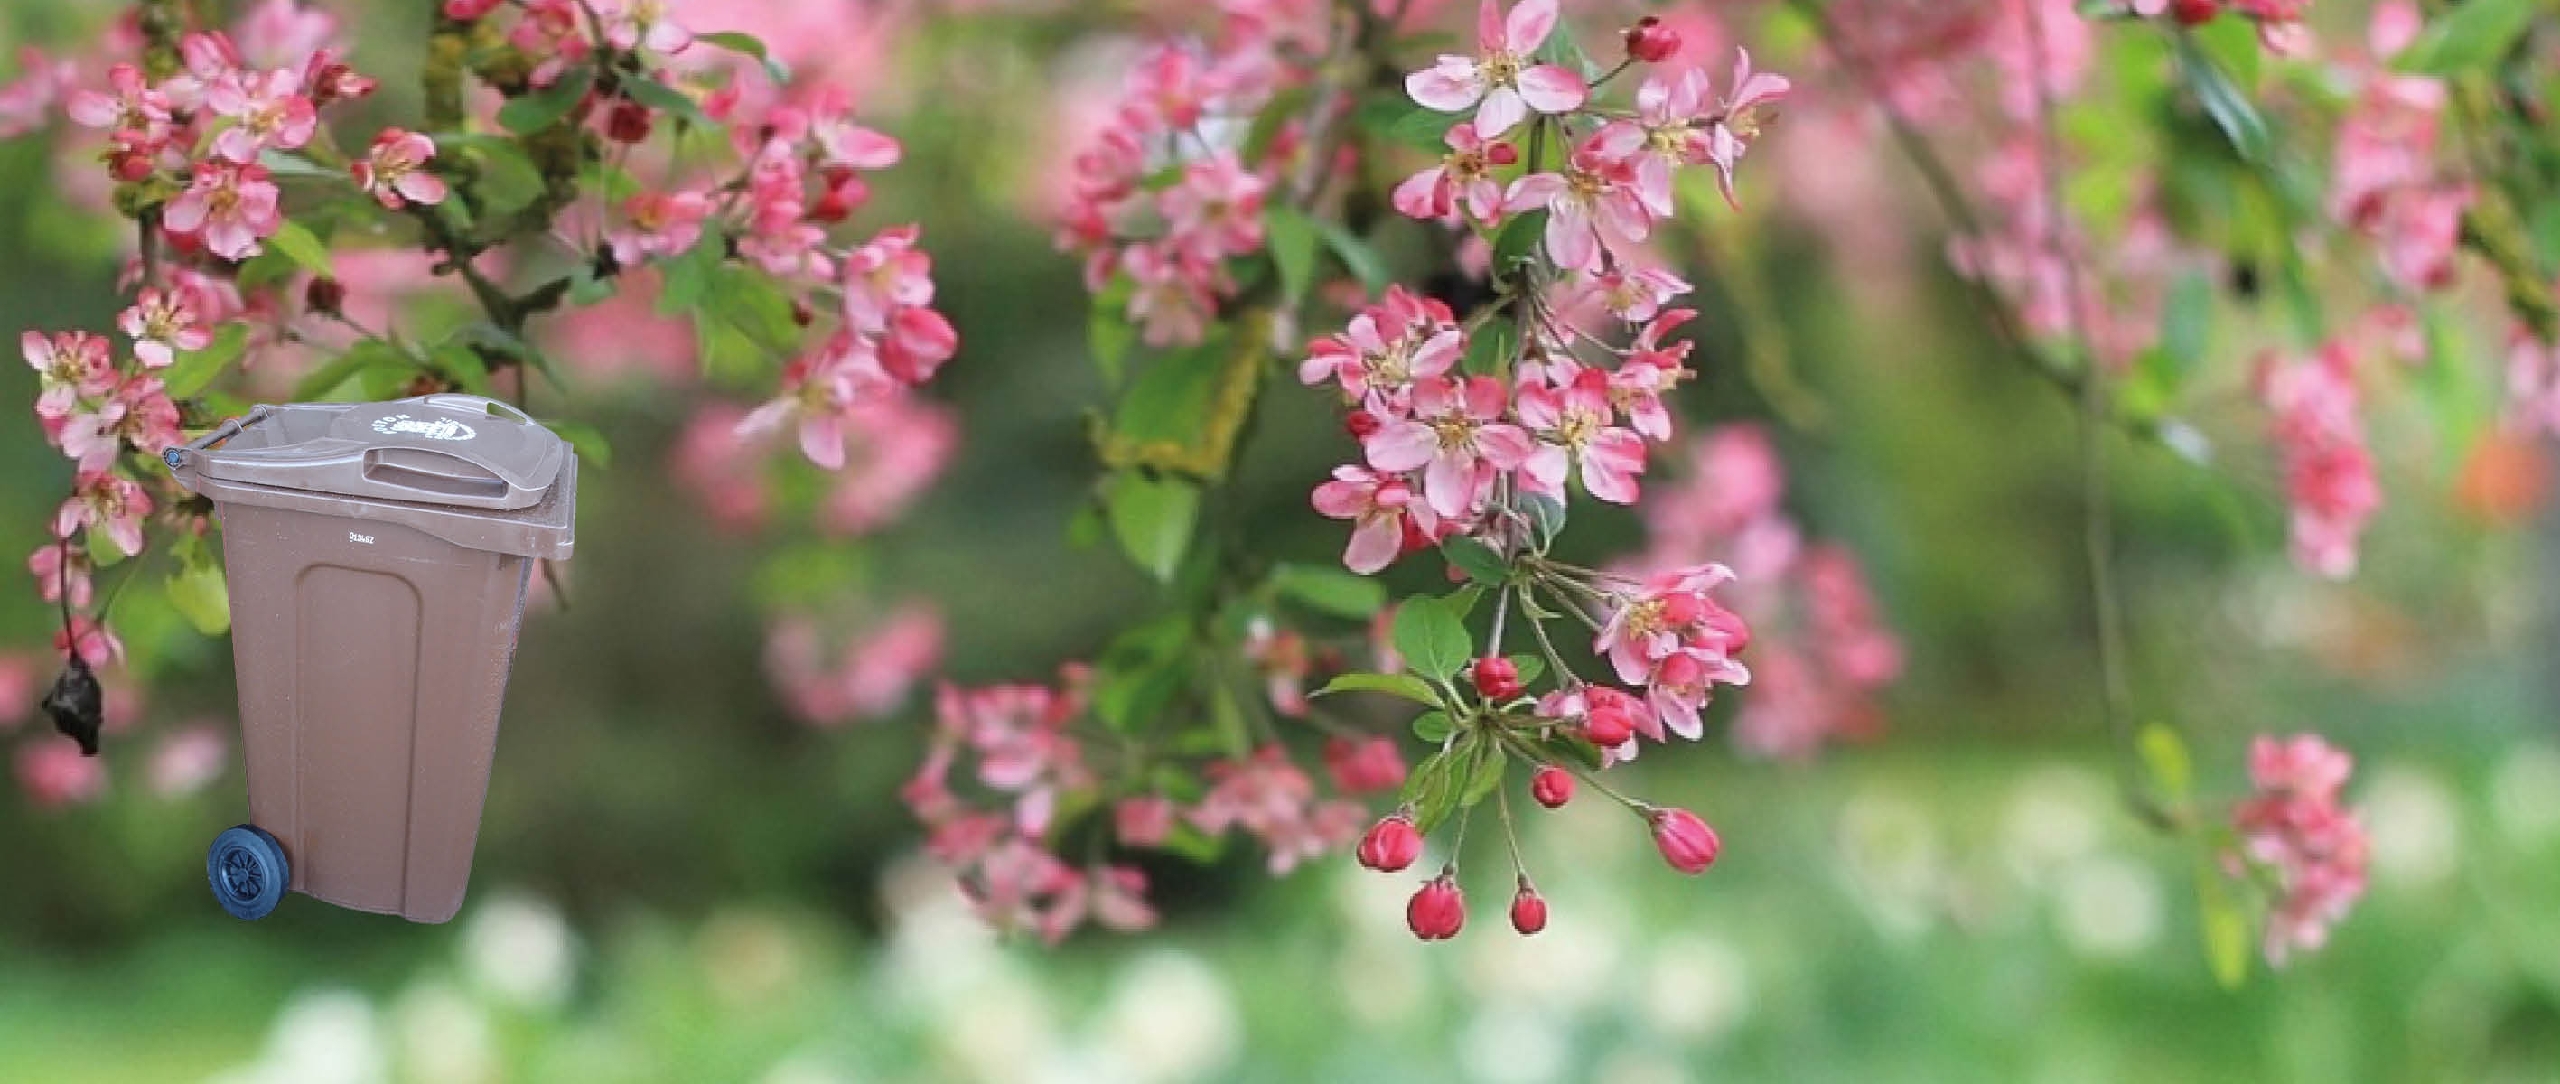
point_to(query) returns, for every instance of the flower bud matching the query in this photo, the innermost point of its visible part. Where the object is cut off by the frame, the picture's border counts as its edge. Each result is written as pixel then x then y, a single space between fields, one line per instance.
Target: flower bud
pixel 1685 841
pixel 1651 42
pixel 324 295
pixel 1528 909
pixel 628 123
pixel 1391 844
pixel 1497 678
pixel 2194 12
pixel 1551 786
pixel 1360 424
pixel 1608 726
pixel 1437 910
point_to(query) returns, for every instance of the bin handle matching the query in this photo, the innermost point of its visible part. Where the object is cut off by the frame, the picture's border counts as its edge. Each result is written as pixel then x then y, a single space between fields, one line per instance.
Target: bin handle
pixel 176 455
pixel 495 408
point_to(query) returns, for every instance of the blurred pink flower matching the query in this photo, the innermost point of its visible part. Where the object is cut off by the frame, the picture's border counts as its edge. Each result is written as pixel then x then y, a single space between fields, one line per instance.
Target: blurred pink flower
pixel 52 773
pixel 187 759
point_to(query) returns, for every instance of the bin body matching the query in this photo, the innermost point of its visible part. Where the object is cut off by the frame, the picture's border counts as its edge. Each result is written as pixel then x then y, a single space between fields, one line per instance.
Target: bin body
pixel 372 638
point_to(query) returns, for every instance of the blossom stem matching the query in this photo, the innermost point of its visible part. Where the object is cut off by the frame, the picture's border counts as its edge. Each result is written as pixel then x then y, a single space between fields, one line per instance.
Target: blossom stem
pixel 1510 833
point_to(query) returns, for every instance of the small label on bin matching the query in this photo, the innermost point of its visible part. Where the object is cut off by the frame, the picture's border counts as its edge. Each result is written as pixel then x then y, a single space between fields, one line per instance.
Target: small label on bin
pixel 439 429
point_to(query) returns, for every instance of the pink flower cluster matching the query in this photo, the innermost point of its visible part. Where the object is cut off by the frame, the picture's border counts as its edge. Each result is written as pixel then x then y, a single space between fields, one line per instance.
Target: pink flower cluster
pixel 209 124
pixel 1820 651
pixel 1437 443
pixel 2328 470
pixel 1164 197
pixel 2386 183
pixel 2294 827
pixel 873 676
pixel 1014 751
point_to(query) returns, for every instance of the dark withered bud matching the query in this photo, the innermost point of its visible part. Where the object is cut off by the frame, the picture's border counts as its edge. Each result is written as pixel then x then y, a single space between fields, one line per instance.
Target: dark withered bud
pixel 76 706
pixel 324 295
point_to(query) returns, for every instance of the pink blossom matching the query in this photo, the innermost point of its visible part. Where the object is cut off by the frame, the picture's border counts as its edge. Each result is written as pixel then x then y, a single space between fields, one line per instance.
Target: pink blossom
pixel 1678 642
pixel 187 759
pixel 1175 295
pixel 149 420
pixel 659 224
pixel 18 688
pixel 2329 475
pixel 468 10
pixel 1569 409
pixel 1383 509
pixel 886 274
pixel 1462 181
pixel 1637 294
pixel 2294 826
pixel 1730 136
pixel 1500 81
pixel 1456 438
pixel 228 207
pixel 53 773
pixel 109 502
pixel 1120 898
pixel 1143 821
pixel 1271 799
pixel 642 24
pixel 161 324
pixel 27 102
pixel 1215 211
pixel 1593 207
pixel 135 114
pixel 283 33
pixel 1281 655
pixel 1364 765
pixel 52 577
pixel 552 34
pixel 1386 347
pixel 899 444
pixel 91 437
pixel 820 394
pixel 266 111
pixel 94 642
pixel 69 365
pixel 395 170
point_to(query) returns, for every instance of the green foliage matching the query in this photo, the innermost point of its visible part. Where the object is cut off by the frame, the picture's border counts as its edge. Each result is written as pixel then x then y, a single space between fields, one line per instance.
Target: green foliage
pixel 303 247
pixel 1432 636
pixel 1152 516
pixel 1475 558
pixel 749 45
pixel 1328 589
pixel 544 107
pixel 2468 37
pixel 195 369
pixel 1404 685
pixel 1292 237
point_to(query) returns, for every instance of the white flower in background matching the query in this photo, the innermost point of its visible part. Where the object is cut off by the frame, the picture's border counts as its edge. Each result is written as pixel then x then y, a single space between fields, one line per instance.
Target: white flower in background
pixel 1008 1032
pixel 2417 831
pixel 443 1035
pixel 320 1037
pixel 2108 906
pixel 1891 857
pixel 1170 1018
pixel 1696 988
pixel 2525 795
pixel 2054 816
pixel 1383 974
pixel 1513 1044
pixel 520 949
pixel 1568 967
pixel 748 956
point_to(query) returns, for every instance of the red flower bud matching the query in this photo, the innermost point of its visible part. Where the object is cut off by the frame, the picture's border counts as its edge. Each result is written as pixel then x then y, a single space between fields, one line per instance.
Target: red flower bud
pixel 1685 841
pixel 1608 726
pixel 1438 910
pixel 628 123
pixel 2194 12
pixel 1528 910
pixel 1391 844
pixel 130 166
pixel 1497 677
pixel 1652 42
pixel 324 295
pixel 1360 424
pixel 1551 786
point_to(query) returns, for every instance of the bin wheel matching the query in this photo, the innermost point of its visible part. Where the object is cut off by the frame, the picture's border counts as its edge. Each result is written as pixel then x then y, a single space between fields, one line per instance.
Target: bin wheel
pixel 247 870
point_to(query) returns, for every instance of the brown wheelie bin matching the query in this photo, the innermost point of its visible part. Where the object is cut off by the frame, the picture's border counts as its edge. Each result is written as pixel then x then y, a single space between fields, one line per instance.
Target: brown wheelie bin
pixel 378 555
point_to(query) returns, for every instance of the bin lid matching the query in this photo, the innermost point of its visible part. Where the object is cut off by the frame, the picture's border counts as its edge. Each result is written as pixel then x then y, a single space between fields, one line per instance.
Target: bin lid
pixel 459 450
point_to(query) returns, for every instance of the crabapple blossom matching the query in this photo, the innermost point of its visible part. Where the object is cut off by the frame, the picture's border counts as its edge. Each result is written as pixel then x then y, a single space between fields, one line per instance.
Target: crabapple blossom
pixel 267 110
pixel 1438 910
pixel 52 772
pixel 1391 844
pixel 1571 410
pixel 1651 42
pixel 2329 473
pixel 1594 208
pixel 1685 841
pixel 1364 765
pixel 110 503
pixel 1383 508
pixel 162 323
pixel 1502 81
pixel 1528 909
pixel 227 206
pixel 1456 437
pixel 2293 825
pixel 1385 348
pixel 59 570
pixel 1143 821
pixel 395 170
pixel 1462 182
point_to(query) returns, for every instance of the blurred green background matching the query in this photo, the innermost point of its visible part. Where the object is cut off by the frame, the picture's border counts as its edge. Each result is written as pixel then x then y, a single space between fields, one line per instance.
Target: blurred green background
pixel 675 881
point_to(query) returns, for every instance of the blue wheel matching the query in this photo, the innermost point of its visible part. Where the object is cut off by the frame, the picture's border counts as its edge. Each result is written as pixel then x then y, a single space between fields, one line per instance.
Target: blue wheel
pixel 247 870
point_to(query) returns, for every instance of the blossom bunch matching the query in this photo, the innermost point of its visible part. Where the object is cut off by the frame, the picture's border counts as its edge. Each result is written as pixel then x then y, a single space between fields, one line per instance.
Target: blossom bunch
pixel 2294 827
pixel 2318 426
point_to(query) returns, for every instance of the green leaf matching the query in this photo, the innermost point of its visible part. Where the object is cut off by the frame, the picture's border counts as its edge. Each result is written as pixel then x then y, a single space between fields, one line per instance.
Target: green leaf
pixel 459 363
pixel 505 180
pixel 1391 115
pixel 1362 261
pixel 544 107
pixel 1433 726
pixel 2225 927
pixel 1152 518
pixel 1404 685
pixel 1332 590
pixel 303 247
pixel 101 549
pixel 663 98
pixel 1432 639
pixel 687 278
pixel 1432 789
pixel 1293 248
pixel 196 368
pixel 1485 774
pixel 1475 558
pixel 198 592
pixel 1529 666
pixel 1490 352
pixel 751 46
pixel 2165 754
pixel 2471 36
pixel 1108 332
pixel 1518 240
pixel 593 450
pixel 1545 513
pixel 2186 321
pixel 366 355
pixel 2233 46
pixel 2229 107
